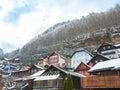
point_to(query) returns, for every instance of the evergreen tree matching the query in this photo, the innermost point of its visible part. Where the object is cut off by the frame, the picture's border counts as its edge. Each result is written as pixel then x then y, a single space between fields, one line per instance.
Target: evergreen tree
pixel 68 84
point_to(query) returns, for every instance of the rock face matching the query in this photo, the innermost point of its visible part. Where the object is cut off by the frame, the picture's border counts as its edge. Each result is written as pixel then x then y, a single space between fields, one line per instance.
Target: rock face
pixel 87 32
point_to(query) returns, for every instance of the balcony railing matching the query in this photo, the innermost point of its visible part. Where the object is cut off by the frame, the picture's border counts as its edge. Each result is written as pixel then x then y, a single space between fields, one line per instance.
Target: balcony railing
pixel 101 82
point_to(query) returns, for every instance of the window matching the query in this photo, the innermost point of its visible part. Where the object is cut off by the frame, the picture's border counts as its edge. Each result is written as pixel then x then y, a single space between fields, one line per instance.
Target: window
pixel 104 48
pixel 110 57
pixel 91 64
pixel 101 60
pixel 81 72
pixel 96 61
pixel 63 64
pixel 108 47
pixel 117 51
pixel 119 55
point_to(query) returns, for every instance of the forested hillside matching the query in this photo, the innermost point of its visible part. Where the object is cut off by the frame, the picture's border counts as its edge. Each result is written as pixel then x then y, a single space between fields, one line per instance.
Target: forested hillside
pixel 88 32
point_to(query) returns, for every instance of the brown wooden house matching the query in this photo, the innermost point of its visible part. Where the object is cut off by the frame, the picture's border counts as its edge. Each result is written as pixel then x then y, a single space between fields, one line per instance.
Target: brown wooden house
pixel 23 79
pixel 106 76
pixel 56 60
pixel 30 71
pixel 82 69
pixel 97 58
pixel 19 74
pixel 109 50
pixel 34 69
pixel 53 78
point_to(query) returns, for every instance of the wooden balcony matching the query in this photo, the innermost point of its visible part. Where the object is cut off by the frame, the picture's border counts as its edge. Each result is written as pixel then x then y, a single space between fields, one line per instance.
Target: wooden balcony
pixel 100 82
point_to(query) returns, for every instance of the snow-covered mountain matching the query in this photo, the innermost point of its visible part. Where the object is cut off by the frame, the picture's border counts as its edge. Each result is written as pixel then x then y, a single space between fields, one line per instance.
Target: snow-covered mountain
pixel 67 36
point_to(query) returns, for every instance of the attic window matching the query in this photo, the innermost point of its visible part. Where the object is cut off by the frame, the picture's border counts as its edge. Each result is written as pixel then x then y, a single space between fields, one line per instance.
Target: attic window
pixel 96 61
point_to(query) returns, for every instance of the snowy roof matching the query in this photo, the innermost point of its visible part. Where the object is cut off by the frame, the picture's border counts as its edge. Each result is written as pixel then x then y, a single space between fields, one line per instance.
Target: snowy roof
pixel 4 58
pixel 81 50
pixel 24 86
pixel 24 78
pixel 38 67
pixel 55 74
pixel 49 77
pixel 69 72
pixel 106 65
pixel 57 68
pixel 31 76
pixel 11 87
pixel 76 74
pixel 37 73
pixel 117 45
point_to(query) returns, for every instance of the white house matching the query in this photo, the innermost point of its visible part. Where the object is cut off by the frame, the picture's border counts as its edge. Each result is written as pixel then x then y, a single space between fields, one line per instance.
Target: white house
pixel 80 55
pixel 109 50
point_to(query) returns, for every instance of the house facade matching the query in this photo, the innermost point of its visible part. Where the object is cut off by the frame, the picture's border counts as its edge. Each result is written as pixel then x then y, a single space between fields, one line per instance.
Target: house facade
pixel 56 59
pixel 80 55
pixel 106 75
pixel 23 73
pixel 97 58
pixel 68 64
pixel 34 69
pixel 82 69
pixel 53 79
pixel 42 62
pixel 109 50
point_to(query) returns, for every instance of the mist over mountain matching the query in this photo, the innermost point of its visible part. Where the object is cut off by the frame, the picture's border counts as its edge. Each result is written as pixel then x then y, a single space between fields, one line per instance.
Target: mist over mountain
pixel 65 37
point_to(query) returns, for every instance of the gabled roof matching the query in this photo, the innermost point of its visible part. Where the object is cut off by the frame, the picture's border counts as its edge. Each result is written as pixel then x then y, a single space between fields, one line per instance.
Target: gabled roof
pixel 105 44
pixel 113 64
pixel 84 64
pixel 58 54
pixel 49 77
pixel 44 75
pixel 37 73
pixel 117 45
pixel 81 50
pixel 65 72
pixel 76 74
pixel 57 68
pixel 36 66
pixel 4 58
pixel 98 54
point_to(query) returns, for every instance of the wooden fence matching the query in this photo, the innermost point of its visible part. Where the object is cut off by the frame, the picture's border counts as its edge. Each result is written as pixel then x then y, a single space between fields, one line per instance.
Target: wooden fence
pixel 100 82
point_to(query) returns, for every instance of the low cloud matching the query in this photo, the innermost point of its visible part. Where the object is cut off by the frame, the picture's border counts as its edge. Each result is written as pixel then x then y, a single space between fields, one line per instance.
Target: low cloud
pixel 22 20
pixel 7 46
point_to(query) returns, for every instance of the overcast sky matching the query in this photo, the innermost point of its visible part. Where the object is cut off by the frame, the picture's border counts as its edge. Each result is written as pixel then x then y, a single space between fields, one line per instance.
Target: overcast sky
pixel 22 20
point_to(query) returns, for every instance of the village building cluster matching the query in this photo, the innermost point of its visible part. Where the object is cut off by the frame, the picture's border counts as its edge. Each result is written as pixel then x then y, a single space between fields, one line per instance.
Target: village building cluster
pixel 49 73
